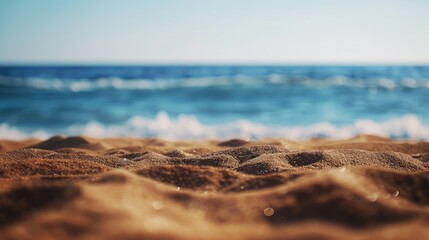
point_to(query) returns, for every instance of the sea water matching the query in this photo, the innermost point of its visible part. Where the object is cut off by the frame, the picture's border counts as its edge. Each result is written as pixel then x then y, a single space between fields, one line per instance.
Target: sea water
pixel 214 102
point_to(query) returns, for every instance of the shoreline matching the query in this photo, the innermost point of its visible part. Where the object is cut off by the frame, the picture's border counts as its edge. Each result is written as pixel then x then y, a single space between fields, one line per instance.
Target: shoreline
pixel 363 142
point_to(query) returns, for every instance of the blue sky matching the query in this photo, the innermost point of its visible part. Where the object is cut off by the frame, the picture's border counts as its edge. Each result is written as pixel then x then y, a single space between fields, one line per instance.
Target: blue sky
pixel 221 31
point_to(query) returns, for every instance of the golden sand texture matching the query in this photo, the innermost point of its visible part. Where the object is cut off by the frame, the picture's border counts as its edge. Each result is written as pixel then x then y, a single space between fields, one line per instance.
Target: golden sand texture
pixel 366 187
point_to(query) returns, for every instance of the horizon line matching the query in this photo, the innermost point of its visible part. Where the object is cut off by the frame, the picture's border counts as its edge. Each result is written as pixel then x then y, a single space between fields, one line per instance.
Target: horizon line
pixel 207 63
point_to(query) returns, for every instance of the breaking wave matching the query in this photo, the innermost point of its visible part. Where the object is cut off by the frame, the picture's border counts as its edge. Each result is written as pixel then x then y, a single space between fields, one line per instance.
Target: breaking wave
pixel 186 127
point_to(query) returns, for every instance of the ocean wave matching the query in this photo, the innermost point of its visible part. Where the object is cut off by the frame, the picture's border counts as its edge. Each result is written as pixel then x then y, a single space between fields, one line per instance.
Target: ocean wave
pixel 186 127
pixel 14 133
pixel 78 85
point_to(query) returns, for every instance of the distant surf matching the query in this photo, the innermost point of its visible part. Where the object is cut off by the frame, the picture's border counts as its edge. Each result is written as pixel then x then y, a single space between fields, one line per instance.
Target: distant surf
pixel 77 85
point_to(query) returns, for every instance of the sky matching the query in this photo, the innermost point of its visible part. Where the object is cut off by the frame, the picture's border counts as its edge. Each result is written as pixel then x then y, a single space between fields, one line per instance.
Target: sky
pixel 218 31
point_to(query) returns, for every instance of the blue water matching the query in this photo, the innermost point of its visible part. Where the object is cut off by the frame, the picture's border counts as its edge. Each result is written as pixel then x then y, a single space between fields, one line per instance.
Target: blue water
pixel 195 102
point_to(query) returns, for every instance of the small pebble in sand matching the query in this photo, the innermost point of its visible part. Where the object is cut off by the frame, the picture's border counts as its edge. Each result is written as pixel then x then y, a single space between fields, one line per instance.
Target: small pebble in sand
pixel 242 187
pixel 372 197
pixel 268 212
pixel 157 205
pixel 125 159
pixel 342 169
pixel 177 188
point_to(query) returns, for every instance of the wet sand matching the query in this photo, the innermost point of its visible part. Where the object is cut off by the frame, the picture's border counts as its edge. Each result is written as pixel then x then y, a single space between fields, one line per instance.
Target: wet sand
pixel 366 187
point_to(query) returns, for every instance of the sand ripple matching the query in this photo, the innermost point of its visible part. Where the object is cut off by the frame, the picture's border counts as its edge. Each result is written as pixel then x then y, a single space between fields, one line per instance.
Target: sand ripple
pixel 84 188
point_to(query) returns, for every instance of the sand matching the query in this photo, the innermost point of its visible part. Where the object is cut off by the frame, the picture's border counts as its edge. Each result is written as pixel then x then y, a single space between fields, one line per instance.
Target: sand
pixel 366 187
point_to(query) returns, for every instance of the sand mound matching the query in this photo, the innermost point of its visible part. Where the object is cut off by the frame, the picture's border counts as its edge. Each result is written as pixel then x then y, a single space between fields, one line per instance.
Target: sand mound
pixel 84 188
pixel 233 143
pixel 243 154
pixel 316 160
pixel 71 142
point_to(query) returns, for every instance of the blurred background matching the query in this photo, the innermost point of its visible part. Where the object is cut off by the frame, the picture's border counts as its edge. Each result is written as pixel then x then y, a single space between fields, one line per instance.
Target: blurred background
pixel 217 70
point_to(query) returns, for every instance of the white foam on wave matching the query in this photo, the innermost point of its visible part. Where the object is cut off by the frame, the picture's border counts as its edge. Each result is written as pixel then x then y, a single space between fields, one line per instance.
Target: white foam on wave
pixel 14 133
pixel 78 85
pixel 186 127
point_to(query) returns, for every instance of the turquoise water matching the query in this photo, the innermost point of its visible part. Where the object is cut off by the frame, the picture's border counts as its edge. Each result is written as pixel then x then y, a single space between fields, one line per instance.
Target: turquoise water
pixel 218 102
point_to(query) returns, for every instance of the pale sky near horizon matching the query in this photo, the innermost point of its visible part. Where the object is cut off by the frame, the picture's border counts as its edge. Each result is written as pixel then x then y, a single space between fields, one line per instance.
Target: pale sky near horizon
pixel 221 31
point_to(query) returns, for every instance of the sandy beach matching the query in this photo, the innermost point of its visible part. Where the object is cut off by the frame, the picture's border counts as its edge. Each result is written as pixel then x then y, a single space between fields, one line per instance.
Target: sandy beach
pixel 366 187
pixel 214 120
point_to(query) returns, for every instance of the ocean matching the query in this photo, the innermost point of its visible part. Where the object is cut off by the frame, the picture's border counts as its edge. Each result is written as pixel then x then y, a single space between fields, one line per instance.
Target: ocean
pixel 214 102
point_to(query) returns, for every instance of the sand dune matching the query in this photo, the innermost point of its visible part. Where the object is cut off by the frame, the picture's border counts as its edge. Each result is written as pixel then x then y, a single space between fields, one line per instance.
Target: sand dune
pixel 366 187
